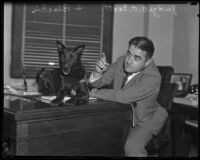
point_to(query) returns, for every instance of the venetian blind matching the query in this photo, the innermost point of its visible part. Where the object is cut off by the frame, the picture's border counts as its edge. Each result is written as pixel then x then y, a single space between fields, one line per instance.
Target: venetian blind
pixel 40 25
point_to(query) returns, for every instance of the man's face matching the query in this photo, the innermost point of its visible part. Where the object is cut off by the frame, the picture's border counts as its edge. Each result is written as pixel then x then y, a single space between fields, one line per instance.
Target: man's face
pixel 135 60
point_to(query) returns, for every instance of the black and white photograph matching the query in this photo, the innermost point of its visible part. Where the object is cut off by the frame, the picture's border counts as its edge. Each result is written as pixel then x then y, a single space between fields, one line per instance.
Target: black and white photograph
pixel 100 79
pixel 183 81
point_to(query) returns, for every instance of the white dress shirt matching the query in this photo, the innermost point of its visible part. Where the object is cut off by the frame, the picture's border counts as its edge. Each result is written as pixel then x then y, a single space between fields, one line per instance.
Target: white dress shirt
pixel 131 76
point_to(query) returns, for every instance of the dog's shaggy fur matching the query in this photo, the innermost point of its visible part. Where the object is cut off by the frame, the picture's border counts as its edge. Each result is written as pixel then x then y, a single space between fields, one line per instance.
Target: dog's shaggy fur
pixel 66 80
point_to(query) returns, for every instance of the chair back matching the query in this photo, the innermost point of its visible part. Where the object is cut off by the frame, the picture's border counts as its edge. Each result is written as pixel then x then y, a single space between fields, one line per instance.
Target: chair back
pixel 166 73
pixel 166 95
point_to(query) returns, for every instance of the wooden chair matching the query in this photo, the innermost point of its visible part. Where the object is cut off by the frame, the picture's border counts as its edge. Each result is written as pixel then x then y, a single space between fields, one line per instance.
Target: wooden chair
pixel 161 145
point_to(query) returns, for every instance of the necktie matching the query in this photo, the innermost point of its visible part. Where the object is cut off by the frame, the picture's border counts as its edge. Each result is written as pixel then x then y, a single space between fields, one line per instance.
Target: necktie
pixel 124 80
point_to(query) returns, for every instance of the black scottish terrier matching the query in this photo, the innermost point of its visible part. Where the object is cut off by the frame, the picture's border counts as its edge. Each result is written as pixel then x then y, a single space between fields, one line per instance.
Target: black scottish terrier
pixel 68 80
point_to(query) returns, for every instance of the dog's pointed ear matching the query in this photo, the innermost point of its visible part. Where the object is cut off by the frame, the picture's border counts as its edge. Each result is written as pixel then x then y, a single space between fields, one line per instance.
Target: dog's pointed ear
pixel 39 73
pixel 80 49
pixel 60 46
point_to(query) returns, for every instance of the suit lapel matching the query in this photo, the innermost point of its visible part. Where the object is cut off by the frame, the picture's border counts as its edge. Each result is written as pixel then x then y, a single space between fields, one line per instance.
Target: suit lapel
pixel 119 80
pixel 119 76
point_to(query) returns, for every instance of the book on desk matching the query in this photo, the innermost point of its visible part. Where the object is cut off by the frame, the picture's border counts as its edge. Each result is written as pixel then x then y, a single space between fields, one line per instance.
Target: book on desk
pixel 190 100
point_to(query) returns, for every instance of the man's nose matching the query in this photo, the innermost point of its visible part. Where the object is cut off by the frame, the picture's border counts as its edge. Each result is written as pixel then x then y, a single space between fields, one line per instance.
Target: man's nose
pixel 130 60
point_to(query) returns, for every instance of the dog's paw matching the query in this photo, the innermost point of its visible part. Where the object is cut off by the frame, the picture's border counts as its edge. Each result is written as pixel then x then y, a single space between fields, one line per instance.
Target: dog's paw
pixel 75 101
pixel 71 101
pixel 57 102
pixel 82 102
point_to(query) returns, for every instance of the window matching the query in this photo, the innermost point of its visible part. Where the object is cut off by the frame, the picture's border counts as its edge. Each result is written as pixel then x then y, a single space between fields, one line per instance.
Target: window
pixel 36 27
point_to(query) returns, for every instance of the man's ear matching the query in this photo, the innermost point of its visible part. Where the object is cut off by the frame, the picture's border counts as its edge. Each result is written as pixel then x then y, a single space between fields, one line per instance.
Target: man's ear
pixel 60 46
pixel 148 61
pixel 80 49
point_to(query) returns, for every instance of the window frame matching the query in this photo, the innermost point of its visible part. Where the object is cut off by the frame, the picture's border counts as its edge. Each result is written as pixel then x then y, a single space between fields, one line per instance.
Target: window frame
pixel 17 24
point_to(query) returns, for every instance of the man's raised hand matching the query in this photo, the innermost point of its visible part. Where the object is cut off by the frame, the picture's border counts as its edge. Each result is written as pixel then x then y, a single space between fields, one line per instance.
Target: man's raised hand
pixel 102 64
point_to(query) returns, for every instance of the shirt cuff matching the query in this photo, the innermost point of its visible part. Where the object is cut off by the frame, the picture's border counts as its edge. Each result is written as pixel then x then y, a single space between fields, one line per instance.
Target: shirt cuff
pixel 93 79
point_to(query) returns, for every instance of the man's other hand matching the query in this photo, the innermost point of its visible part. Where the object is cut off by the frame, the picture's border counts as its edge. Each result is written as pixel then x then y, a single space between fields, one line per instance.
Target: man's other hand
pixel 92 92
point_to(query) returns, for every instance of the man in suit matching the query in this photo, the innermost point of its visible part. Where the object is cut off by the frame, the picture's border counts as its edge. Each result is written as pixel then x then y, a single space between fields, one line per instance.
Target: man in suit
pixel 140 88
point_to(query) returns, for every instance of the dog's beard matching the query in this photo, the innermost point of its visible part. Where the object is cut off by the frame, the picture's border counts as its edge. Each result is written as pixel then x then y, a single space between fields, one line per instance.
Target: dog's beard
pixel 65 73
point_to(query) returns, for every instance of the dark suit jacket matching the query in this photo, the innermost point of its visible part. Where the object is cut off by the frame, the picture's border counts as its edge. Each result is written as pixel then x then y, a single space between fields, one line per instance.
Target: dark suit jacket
pixel 142 89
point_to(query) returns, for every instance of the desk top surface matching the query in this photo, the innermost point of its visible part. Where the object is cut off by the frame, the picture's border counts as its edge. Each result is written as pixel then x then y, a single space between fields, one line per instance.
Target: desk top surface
pixel 185 101
pixel 23 107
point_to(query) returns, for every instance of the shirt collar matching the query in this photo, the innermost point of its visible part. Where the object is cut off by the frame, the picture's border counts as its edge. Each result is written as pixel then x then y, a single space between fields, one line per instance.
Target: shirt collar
pixel 133 75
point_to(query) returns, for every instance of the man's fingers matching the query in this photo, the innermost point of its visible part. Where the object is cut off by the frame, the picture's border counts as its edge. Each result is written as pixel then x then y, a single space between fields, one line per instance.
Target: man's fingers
pixel 103 56
pixel 103 59
pixel 101 64
pixel 101 67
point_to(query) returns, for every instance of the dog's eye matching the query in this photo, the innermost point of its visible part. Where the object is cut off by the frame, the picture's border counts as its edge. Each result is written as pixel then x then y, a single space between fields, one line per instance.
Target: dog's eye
pixel 72 56
pixel 63 56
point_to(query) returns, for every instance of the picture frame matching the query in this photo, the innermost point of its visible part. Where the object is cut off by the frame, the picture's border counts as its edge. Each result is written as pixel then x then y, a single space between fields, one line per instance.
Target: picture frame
pixel 183 81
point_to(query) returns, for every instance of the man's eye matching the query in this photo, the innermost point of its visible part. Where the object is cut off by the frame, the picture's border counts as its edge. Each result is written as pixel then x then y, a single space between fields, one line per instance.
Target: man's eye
pixel 137 58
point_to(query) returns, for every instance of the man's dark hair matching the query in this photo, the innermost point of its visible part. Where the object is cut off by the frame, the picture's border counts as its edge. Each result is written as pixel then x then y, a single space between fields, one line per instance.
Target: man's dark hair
pixel 144 44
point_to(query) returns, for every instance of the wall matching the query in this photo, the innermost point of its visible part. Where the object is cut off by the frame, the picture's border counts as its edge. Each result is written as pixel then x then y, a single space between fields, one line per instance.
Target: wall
pixel 176 37
pixel 127 24
pixel 158 26
pixel 186 41
pixel 161 32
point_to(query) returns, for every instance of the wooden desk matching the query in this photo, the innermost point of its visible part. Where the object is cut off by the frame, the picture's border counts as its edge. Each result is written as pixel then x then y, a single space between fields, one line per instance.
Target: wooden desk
pixel 182 110
pixel 35 128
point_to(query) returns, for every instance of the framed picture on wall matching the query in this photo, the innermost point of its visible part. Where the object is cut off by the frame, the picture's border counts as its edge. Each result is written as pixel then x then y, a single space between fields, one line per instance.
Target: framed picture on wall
pixel 183 81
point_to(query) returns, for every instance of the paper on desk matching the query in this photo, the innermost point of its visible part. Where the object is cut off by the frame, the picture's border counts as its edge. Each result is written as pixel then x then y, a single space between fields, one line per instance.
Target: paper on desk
pixel 48 99
pixel 92 98
pixel 8 89
pixel 193 99
pixel 29 93
pixel 185 101
pixel 66 97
